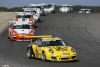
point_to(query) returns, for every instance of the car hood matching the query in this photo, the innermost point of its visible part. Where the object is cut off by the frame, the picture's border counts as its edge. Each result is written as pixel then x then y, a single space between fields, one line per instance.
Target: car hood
pixel 65 8
pixel 59 48
pixel 48 9
pixel 22 31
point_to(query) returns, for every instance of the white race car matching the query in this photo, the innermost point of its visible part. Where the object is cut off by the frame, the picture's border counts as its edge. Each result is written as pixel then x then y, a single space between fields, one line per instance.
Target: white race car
pixel 25 17
pixel 20 29
pixel 85 11
pixel 35 13
pixel 66 8
pixel 49 8
pixel 39 7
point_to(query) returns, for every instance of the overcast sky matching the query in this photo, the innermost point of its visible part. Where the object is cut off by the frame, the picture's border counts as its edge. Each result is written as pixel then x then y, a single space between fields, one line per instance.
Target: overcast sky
pixel 18 3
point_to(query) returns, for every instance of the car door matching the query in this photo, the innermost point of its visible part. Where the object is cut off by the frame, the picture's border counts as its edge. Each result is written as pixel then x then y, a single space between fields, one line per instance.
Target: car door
pixel 38 48
pixel 39 51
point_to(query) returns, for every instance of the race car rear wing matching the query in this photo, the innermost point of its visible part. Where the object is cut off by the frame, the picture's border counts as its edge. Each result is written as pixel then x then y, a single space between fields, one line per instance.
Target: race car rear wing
pixel 66 5
pixel 41 36
pixel 32 4
pixel 85 9
pixel 48 3
pixel 19 22
pixel 35 4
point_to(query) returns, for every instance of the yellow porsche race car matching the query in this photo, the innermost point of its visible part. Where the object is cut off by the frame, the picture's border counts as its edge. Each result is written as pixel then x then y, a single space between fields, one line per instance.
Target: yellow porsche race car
pixel 50 48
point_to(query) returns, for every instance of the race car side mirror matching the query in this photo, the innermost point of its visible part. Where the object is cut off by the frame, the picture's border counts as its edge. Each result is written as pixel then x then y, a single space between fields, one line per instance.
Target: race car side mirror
pixel 11 27
pixel 39 42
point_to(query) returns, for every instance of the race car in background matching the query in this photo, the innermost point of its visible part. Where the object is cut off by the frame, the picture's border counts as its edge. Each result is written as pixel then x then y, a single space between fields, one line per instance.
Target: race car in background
pixel 50 48
pixel 85 11
pixel 20 29
pixel 25 17
pixel 39 8
pixel 49 8
pixel 34 13
pixel 66 8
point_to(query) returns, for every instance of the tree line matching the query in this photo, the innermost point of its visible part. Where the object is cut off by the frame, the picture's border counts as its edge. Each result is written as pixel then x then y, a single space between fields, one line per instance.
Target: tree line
pixel 76 8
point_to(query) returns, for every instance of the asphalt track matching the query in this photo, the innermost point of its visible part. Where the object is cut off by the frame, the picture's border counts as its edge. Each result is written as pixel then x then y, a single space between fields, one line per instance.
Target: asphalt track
pixel 81 31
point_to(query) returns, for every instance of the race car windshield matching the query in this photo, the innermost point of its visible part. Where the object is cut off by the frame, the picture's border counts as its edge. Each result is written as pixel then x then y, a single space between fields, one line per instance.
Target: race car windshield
pixel 84 11
pixel 39 7
pixel 21 27
pixel 54 43
pixel 50 5
pixel 65 6
pixel 36 6
pixel 34 12
pixel 47 6
pixel 27 11
pixel 24 16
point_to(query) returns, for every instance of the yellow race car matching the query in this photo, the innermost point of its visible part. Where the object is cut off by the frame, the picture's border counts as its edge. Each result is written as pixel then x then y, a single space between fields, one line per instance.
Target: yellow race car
pixel 50 48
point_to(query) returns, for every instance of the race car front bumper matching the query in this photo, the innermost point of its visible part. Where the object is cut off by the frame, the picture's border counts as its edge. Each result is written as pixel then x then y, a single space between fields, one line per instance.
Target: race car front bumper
pixel 62 57
pixel 21 37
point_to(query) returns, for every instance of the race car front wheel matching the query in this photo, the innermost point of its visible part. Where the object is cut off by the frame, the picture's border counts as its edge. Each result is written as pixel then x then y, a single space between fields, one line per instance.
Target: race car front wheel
pixel 30 53
pixel 39 20
pixel 43 56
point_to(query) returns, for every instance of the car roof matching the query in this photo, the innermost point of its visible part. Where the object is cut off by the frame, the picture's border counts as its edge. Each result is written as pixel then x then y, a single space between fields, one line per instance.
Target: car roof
pixel 24 13
pixel 85 9
pixel 48 3
pixel 36 4
pixel 66 5
pixel 20 23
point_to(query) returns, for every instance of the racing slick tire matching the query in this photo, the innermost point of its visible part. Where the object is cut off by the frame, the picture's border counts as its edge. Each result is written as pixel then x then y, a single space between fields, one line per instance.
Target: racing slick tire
pixel 39 20
pixel 53 11
pixel 43 14
pixel 43 56
pixel 35 26
pixel 30 53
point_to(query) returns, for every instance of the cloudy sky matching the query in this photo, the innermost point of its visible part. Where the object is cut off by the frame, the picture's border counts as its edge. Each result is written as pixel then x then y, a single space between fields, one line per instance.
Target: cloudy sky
pixel 18 3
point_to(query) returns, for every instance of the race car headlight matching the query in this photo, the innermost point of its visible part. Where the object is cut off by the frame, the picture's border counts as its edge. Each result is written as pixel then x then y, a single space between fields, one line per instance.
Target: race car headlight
pixel 14 32
pixel 73 50
pixel 51 51
pixel 53 55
